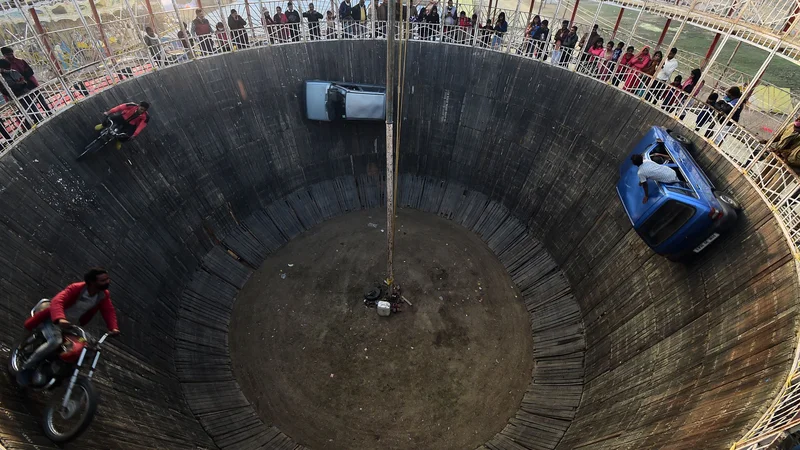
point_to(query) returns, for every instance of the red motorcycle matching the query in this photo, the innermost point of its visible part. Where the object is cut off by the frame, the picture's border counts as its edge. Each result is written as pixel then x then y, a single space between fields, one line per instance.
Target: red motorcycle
pixel 69 412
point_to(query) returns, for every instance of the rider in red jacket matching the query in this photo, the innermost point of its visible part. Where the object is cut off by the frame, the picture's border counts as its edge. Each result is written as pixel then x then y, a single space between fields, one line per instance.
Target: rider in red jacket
pixel 77 302
pixel 133 118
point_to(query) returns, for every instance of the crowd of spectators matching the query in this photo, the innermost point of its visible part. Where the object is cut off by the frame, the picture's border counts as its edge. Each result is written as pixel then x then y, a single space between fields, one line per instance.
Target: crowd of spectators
pixel 653 77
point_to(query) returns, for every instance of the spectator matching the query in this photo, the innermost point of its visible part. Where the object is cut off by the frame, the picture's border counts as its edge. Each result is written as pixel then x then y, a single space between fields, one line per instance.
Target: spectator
pixel 634 80
pixel 671 94
pixel 269 25
pixel 222 38
pixel 500 29
pixel 153 45
pixel 450 15
pixel 568 44
pixel 313 16
pixel 730 103
pixel 422 18
pixel 293 19
pixel 594 56
pixel 618 51
pixel 540 40
pixel 280 20
pixel 787 144
pixel 382 15
pixel 187 42
pixel 605 65
pixel 464 28
pixel 360 16
pixel 19 87
pixel 236 24
pixel 562 33
pixel 530 30
pixel 556 56
pixel 330 25
pixel 24 69
pixel 346 16
pixel 202 29
pixel 652 171
pixel 432 19
pixel 649 71
pixel 487 30
pixel 706 116
pixel 665 74
pixel 691 85
pixel 587 42
pixel 623 65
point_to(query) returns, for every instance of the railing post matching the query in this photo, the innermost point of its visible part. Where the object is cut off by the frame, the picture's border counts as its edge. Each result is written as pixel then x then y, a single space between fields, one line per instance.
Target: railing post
pixel 476 32
pixel 636 23
pixel 99 23
pixel 616 24
pixel 150 14
pixel 250 19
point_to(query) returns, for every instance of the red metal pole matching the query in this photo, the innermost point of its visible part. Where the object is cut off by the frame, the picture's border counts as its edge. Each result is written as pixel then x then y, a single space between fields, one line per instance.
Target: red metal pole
pixel 713 46
pixel 199 4
pixel 791 20
pixel 574 11
pixel 249 19
pixel 530 11
pixel 616 25
pixel 489 14
pixel 100 27
pixel 663 33
pixel 45 42
pixel 150 14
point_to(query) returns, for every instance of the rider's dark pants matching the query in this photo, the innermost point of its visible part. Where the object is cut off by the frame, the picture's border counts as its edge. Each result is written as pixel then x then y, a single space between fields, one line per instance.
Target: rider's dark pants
pixel 52 333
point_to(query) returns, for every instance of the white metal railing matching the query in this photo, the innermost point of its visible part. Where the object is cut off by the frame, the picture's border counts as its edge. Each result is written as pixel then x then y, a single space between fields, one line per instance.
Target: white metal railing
pixel 92 68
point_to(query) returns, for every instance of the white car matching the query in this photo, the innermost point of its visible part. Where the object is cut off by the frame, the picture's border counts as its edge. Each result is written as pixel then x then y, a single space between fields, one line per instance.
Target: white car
pixel 333 100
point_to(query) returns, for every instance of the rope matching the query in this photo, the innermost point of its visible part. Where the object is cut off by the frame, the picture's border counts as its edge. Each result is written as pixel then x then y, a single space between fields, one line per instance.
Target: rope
pixel 401 71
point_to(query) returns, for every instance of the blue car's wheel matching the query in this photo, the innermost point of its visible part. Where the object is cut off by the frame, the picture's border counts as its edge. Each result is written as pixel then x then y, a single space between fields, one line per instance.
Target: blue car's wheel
pixel 729 200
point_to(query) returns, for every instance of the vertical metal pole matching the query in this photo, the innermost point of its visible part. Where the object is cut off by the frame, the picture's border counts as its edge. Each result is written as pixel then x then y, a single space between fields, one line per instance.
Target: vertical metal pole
pixel 506 38
pixel 747 92
pixel 663 33
pixel 135 27
pixel 249 19
pixel 390 181
pixel 530 13
pixel 636 23
pixel 476 32
pixel 616 24
pixel 574 11
pixel 44 44
pixel 94 41
pixel 696 88
pixel 96 16
pixel 183 28
pixel 151 15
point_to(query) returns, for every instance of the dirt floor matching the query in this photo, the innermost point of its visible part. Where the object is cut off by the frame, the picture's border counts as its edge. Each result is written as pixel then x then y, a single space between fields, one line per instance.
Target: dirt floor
pixel 444 374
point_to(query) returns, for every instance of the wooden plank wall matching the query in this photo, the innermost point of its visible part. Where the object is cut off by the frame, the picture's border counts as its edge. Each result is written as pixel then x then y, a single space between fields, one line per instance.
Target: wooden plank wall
pixel 676 356
pixel 203 362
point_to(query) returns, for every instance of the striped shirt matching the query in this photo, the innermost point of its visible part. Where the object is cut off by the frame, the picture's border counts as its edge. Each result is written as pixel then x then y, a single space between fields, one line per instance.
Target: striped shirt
pixel 650 170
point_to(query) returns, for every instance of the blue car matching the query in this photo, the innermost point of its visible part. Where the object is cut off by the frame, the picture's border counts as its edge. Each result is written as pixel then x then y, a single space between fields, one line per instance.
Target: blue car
pixel 681 218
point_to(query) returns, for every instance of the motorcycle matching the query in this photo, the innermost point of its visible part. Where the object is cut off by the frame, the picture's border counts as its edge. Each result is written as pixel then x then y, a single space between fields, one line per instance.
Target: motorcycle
pixel 113 130
pixel 66 416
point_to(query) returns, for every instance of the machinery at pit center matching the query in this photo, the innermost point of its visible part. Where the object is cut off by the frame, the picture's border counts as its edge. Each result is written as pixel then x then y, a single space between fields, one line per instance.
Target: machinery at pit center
pixel 386 302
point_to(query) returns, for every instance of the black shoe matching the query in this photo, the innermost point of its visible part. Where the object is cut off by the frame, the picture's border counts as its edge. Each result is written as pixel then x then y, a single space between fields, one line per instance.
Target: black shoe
pixel 24 377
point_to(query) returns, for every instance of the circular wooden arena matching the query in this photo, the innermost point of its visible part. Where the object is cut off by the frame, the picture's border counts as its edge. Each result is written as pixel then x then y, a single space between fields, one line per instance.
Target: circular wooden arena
pixel 605 345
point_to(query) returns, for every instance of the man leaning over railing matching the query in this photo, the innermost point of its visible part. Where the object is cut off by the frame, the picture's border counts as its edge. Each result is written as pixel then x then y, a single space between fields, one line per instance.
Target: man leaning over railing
pixel 24 69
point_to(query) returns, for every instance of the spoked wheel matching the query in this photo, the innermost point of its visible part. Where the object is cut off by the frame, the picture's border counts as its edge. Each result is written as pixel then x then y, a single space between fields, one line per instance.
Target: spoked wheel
pixel 17 357
pixel 63 424
pixel 94 146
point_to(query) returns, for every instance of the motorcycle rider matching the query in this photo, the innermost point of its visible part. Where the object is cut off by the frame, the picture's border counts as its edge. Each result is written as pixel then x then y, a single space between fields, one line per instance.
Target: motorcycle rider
pixel 77 302
pixel 133 118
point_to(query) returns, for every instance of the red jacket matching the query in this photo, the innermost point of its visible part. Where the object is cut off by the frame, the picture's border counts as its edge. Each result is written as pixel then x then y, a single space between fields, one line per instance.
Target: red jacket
pixel 129 109
pixel 67 298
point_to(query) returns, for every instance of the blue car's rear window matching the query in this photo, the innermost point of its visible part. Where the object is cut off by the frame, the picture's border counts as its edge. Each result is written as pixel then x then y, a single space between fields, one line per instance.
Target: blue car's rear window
pixel 665 222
